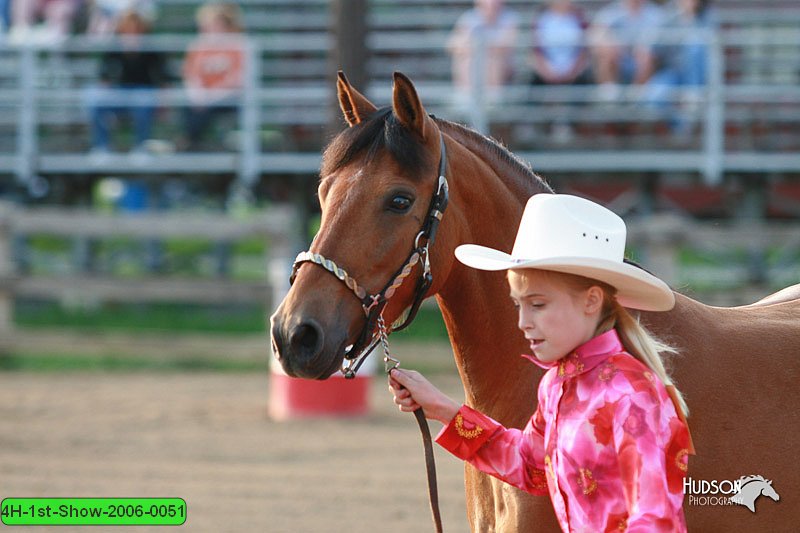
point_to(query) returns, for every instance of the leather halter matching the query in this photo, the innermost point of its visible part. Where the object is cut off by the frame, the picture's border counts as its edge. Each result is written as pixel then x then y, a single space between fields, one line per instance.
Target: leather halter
pixel 374 304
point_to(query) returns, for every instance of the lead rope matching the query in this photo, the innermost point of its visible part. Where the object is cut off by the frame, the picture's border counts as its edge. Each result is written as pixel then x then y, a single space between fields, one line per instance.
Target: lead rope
pixel 390 363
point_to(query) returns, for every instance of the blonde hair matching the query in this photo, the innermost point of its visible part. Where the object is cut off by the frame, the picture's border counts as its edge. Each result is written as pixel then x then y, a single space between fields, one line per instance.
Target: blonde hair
pixel 226 12
pixel 635 338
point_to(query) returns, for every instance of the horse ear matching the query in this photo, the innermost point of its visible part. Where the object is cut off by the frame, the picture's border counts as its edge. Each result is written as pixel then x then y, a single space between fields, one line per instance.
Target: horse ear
pixel 407 106
pixel 354 105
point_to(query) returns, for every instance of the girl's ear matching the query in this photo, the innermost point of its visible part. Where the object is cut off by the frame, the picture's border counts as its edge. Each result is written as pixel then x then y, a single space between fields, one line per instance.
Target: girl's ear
pixel 594 300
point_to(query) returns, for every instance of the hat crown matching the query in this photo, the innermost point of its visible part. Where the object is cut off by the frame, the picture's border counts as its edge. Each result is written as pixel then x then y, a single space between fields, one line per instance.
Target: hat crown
pixel 561 225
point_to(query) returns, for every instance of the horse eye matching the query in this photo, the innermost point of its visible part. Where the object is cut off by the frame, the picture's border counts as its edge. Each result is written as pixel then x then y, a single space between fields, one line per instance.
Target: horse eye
pixel 400 203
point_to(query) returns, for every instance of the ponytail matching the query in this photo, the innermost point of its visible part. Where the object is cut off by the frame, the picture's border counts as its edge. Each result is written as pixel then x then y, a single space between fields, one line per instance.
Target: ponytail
pixel 640 344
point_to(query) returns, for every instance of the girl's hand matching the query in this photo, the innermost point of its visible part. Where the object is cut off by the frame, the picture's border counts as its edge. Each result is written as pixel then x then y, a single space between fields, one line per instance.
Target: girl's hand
pixel 412 391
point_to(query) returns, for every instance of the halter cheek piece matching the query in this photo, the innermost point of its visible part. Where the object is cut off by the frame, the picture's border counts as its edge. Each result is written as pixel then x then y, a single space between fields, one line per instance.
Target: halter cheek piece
pixel 374 304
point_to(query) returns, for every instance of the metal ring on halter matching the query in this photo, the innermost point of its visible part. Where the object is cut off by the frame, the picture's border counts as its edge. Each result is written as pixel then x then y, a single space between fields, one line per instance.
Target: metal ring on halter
pixel 390 363
pixel 417 238
pixel 423 251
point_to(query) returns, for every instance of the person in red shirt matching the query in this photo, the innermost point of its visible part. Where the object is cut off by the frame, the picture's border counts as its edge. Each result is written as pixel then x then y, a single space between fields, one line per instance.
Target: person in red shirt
pixel 609 441
pixel 213 70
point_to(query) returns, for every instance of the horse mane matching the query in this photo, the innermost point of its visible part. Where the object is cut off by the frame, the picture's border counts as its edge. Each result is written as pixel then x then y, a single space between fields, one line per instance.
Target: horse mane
pixel 382 130
pixel 744 480
pixel 477 140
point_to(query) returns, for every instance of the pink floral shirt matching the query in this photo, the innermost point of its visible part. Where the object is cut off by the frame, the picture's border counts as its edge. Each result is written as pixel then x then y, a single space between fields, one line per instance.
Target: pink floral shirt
pixel 605 443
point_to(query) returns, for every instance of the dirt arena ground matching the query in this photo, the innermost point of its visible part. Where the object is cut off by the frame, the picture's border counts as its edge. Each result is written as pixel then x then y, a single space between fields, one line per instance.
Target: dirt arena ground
pixel 207 438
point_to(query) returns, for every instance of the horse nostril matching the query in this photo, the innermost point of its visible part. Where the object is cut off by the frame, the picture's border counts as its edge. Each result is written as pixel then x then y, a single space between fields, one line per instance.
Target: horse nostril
pixel 306 339
pixel 277 341
pixel 275 349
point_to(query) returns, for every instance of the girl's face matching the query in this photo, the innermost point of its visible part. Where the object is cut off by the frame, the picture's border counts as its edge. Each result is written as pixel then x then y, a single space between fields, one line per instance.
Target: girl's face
pixel 211 23
pixel 555 317
pixel 214 22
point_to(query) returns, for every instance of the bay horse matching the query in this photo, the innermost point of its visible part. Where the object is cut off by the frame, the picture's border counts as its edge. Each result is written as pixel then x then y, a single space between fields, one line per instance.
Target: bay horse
pixel 738 367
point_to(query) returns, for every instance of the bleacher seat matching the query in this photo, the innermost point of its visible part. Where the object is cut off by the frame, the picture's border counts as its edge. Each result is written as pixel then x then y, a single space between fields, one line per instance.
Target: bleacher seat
pixel 761 112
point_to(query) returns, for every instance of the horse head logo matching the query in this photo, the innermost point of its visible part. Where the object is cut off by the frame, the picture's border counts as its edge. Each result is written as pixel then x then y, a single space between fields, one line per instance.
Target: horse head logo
pixel 750 488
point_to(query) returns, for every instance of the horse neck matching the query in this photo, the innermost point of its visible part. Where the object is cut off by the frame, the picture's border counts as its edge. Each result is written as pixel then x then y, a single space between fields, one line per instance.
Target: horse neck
pixel 684 326
pixel 488 194
pixel 487 346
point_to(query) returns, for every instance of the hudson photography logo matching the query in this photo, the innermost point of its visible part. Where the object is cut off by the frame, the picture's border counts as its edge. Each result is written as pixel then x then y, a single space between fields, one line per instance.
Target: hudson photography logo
pixel 743 491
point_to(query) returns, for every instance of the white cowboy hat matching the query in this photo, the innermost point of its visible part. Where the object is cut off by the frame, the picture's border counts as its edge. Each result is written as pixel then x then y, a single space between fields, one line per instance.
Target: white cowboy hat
pixel 569 234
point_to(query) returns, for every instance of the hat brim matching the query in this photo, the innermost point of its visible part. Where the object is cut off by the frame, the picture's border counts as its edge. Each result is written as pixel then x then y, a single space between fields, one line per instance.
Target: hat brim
pixel 636 288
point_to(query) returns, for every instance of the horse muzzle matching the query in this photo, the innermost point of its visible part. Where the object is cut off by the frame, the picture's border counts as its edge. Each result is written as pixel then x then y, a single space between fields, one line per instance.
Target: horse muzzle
pixel 302 347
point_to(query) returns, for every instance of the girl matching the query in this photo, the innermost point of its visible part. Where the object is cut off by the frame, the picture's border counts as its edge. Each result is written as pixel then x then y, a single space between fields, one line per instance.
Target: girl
pixel 213 71
pixel 608 440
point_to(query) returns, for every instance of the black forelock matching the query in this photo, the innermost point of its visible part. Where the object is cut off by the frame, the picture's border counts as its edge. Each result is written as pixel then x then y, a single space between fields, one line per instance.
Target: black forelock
pixel 380 131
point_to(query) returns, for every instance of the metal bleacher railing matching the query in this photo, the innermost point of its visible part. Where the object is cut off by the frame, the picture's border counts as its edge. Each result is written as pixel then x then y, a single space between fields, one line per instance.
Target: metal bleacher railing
pixel 746 120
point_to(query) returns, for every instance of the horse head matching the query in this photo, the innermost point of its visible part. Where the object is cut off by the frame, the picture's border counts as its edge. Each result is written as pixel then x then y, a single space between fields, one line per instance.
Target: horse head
pixel 750 488
pixel 377 182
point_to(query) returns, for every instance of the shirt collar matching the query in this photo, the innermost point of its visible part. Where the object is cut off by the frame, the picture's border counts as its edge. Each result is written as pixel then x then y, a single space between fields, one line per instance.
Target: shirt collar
pixel 585 357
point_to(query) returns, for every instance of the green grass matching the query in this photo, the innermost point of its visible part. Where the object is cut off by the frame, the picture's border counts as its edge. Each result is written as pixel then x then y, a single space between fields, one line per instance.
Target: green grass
pixel 49 243
pixel 114 363
pixel 143 317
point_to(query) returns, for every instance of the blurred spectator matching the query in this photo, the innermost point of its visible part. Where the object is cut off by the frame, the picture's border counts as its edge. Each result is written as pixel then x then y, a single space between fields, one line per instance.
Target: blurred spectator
pixel 482 48
pixel 683 58
pixel 104 14
pixel 622 36
pixel 213 71
pixel 129 79
pixel 56 16
pixel 559 55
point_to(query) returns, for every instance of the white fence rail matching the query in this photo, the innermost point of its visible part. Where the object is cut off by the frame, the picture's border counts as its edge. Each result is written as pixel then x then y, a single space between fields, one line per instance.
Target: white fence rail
pixel 278 227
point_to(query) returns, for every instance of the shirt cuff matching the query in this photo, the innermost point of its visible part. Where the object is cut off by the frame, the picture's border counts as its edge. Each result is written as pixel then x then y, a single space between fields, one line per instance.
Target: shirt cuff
pixel 466 432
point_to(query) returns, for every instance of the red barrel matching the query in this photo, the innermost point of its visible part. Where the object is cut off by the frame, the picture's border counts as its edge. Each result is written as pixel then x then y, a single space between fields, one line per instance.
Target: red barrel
pixel 292 398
